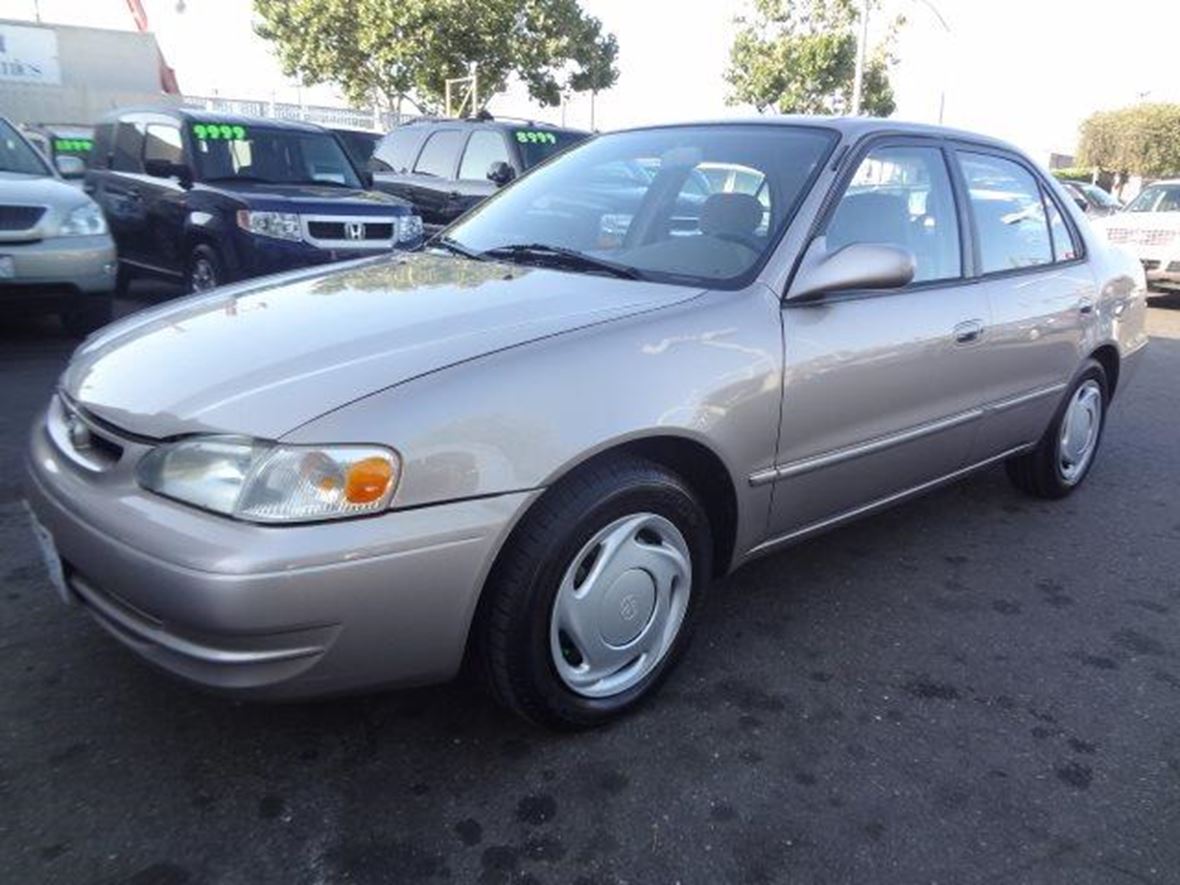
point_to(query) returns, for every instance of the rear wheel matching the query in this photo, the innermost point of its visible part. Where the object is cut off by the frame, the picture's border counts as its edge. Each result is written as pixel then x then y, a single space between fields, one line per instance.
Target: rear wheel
pixel 1065 454
pixel 205 269
pixel 593 600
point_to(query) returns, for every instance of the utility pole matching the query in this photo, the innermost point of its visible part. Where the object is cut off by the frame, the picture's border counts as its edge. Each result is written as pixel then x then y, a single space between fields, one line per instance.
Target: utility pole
pixel 861 44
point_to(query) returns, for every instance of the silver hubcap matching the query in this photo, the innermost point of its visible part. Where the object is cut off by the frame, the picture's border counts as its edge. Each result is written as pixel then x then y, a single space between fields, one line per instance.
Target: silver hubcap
pixel 620 605
pixel 1079 432
pixel 204 276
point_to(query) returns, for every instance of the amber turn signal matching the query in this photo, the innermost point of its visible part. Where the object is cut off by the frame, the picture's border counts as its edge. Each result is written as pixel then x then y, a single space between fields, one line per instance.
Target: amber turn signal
pixel 368 480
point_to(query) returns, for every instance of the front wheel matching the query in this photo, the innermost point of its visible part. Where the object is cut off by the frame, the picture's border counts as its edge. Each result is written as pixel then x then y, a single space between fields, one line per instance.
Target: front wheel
pixel 1065 454
pixel 594 598
pixel 206 270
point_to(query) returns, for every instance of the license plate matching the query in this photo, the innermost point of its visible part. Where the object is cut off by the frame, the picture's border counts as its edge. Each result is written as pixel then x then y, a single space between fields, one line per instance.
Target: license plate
pixel 7 267
pixel 49 555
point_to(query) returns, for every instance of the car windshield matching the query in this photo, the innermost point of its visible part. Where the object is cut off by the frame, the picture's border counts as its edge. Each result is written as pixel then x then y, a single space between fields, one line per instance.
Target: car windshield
pixel 538 145
pixel 703 204
pixel 17 156
pixel 1157 198
pixel 271 156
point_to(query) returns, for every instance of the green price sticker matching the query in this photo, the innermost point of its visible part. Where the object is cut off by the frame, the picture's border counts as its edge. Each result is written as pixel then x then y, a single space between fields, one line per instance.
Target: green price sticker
pixel 72 145
pixel 219 132
pixel 534 136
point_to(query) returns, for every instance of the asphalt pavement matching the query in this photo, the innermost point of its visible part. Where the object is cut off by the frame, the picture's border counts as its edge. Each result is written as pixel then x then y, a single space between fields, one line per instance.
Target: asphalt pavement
pixel 975 687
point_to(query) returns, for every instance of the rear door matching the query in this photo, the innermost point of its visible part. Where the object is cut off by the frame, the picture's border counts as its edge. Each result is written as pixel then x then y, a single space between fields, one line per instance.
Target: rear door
pixel 1041 293
pixel 121 195
pixel 432 182
pixel 164 198
pixel 880 387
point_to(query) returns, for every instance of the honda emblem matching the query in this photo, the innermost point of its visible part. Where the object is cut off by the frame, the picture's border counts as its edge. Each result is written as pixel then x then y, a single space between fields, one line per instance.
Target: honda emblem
pixel 354 230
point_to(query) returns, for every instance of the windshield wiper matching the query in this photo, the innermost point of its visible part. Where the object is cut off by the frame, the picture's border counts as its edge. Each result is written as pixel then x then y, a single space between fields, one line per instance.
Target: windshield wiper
pixel 455 247
pixel 561 257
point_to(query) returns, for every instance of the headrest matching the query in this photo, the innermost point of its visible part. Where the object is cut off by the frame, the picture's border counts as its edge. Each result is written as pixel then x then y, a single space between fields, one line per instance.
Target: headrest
pixel 739 214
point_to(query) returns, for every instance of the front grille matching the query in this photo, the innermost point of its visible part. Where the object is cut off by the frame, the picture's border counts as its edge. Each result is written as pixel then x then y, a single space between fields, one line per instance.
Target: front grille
pixel 346 231
pixel 20 217
pixel 1140 237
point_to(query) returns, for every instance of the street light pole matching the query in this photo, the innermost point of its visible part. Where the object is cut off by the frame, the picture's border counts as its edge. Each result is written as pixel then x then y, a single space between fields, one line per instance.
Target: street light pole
pixel 858 81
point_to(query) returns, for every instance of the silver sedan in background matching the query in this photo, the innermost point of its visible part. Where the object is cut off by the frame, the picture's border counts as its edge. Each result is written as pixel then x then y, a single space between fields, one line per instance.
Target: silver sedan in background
pixel 533 444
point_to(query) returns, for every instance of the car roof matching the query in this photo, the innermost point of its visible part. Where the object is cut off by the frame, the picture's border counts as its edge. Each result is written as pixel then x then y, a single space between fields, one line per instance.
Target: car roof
pixel 199 114
pixel 492 123
pixel 852 128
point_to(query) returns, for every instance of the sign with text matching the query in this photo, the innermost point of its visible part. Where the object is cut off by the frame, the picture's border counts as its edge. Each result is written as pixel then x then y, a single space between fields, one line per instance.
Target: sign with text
pixel 28 55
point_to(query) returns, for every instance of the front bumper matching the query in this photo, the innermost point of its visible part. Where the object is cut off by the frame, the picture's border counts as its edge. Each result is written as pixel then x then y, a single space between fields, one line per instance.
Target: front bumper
pixel 58 269
pixel 268 612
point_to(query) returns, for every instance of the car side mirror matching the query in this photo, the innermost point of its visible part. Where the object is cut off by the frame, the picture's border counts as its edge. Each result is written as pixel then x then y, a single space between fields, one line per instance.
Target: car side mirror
pixel 366 179
pixel 855 266
pixel 69 167
pixel 500 173
pixel 168 169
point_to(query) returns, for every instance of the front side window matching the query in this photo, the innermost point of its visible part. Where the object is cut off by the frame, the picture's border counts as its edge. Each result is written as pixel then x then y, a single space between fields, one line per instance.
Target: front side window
pixel 439 154
pixel 1009 213
pixel 162 142
pixel 697 204
pixel 270 156
pixel 484 148
pixel 17 156
pixel 902 196
pixel 1157 198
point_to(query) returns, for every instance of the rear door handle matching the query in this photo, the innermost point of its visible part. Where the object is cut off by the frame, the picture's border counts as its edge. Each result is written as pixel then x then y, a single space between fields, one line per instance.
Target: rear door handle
pixel 968 332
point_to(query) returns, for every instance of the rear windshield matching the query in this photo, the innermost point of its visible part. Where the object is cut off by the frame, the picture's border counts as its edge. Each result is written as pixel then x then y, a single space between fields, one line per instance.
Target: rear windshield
pixel 538 145
pixel 270 156
pixel 17 156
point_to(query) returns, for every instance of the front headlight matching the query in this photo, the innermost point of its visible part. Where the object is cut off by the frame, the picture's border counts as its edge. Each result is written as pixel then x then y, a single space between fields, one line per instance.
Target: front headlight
pixel 409 227
pixel 281 225
pixel 84 221
pixel 261 482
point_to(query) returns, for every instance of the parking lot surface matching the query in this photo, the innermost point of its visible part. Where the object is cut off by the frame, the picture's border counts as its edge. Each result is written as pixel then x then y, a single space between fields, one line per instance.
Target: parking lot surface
pixel 975 687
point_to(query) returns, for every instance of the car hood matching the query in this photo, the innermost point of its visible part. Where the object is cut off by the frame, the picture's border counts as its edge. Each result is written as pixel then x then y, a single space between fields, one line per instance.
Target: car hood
pixel 262 358
pixel 38 190
pixel 311 197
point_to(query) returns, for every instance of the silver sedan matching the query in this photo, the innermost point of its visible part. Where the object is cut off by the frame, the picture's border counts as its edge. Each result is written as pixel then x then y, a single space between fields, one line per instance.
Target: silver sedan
pixel 533 444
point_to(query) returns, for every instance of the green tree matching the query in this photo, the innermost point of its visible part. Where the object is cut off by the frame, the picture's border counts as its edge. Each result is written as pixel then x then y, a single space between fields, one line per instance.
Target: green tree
pixel 1140 140
pixel 799 57
pixel 396 50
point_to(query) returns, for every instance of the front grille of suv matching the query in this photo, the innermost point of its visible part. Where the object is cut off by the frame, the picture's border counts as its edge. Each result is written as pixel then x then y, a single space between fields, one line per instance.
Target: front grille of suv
pixel 20 217
pixel 339 230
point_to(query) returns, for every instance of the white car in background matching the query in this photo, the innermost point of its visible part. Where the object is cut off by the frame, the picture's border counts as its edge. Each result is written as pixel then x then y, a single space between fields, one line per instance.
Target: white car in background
pixel 1150 228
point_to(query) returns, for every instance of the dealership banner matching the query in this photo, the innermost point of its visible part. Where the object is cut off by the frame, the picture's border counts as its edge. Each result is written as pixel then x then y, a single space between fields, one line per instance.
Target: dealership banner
pixel 28 55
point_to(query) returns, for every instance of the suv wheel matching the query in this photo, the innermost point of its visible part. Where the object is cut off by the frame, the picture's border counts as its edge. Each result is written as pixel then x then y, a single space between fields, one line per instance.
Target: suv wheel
pixel 593 601
pixel 205 270
pixel 1066 452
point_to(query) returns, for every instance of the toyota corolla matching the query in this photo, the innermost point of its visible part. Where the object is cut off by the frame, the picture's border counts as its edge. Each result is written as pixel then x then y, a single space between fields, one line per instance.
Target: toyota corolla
pixel 533 444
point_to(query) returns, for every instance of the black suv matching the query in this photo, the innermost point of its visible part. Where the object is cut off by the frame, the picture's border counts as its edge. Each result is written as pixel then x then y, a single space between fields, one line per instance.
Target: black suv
pixel 446 166
pixel 211 198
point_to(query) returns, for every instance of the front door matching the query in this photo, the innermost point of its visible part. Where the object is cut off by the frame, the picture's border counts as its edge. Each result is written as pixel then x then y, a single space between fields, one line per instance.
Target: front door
pixel 880 394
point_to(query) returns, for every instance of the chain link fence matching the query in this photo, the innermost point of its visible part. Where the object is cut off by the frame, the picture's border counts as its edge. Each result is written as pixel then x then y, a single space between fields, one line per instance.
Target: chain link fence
pixel 352 118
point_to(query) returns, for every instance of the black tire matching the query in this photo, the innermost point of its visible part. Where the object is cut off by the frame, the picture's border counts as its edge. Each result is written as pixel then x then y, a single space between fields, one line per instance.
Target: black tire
pixel 202 257
pixel 1039 472
pixel 83 319
pixel 511 641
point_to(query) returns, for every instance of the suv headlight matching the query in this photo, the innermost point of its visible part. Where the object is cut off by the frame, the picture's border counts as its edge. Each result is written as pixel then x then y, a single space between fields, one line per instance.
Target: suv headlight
pixel 83 221
pixel 281 225
pixel 409 227
pixel 263 482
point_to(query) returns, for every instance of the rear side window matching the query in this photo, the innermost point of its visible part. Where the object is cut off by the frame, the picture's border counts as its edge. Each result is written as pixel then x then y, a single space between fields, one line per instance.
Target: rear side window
pixel 483 149
pixel 396 150
pixel 440 154
pixel 1006 201
pixel 1065 248
pixel 901 196
pixel 128 147
pixel 162 142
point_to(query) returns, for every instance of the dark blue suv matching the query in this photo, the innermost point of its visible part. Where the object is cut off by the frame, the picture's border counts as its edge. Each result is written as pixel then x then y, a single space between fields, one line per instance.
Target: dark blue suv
pixel 210 198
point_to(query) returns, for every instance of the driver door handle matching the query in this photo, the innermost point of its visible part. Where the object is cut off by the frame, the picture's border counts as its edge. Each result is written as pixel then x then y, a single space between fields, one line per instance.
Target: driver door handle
pixel 968 332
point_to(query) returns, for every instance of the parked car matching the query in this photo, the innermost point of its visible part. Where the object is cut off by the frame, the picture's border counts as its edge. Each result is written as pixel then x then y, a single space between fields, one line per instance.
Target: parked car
pixel 359 143
pixel 534 453
pixel 62 140
pixel 1150 228
pixel 207 199
pixel 444 167
pixel 1092 199
pixel 56 255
